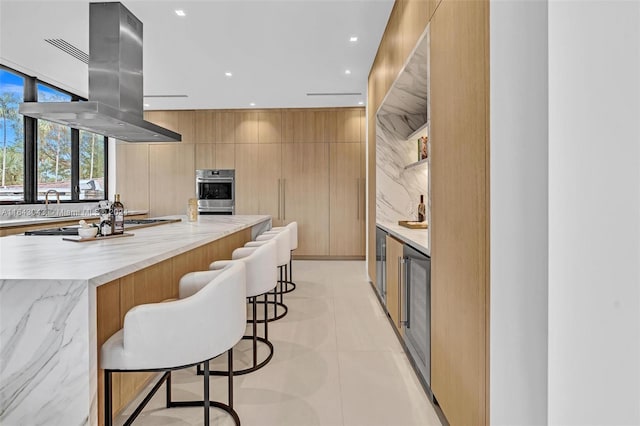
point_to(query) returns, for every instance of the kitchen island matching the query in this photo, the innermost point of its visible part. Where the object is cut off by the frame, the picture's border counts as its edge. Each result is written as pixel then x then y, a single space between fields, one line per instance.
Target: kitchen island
pixel 60 300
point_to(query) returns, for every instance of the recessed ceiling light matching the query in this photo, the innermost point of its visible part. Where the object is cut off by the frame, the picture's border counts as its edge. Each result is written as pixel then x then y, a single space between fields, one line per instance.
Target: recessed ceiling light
pixel 180 12
pixel 147 105
pixel 228 74
pixel 361 103
pixel 353 39
pixel 252 104
pixel 347 72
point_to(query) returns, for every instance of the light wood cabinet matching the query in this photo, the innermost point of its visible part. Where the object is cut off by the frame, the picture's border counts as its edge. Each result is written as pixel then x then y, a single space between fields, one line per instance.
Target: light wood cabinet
pixel 348 125
pixel 270 127
pixel 182 122
pixel 460 210
pixel 205 156
pixel 269 181
pixel 225 156
pixel 171 178
pixel 395 251
pixel 205 126
pixel 225 127
pixel 414 18
pixel 132 174
pixel 326 122
pixel 248 165
pixel 271 176
pixel 246 127
pixel 305 189
pixel 258 180
pixel 299 126
pixel 345 200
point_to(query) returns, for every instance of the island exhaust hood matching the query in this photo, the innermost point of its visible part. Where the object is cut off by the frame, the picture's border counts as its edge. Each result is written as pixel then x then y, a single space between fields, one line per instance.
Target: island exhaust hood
pixel 115 105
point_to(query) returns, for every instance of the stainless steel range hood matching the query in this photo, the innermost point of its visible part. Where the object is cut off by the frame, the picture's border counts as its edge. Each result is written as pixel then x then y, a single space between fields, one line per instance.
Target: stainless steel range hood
pixel 115 102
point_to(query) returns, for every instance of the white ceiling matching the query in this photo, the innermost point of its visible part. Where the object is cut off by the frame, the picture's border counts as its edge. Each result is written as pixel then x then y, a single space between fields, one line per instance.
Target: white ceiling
pixel 278 51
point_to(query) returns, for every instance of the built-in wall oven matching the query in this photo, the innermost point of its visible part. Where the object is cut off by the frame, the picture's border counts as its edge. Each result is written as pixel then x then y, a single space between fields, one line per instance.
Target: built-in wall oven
pixel 215 190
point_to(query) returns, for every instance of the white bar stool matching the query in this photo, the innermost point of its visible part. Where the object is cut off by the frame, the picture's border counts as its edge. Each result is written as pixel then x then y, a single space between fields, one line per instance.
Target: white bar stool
pixel 283 255
pixel 260 264
pixel 167 336
pixel 288 284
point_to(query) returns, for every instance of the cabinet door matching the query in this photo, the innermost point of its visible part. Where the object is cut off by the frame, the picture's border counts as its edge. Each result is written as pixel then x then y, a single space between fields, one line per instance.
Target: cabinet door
pixel 459 177
pixel 132 174
pixel 258 177
pixel 269 181
pixel 394 290
pixel 247 178
pixel 305 190
pixel 182 122
pixel 171 178
pixel 346 223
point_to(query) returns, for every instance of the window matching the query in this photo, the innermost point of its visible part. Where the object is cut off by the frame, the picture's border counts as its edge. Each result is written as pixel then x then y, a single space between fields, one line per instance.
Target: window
pixel 12 137
pixel 39 157
pixel 91 166
pixel 54 150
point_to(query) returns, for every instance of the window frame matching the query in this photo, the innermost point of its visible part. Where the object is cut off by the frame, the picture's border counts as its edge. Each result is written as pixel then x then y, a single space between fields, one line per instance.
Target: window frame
pixel 30 181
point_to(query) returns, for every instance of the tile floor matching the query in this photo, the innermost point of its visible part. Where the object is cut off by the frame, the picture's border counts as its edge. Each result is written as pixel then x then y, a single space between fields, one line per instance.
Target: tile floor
pixel 337 362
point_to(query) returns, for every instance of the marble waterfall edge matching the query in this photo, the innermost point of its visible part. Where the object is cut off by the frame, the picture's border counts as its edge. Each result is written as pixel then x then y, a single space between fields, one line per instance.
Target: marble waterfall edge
pixel 45 369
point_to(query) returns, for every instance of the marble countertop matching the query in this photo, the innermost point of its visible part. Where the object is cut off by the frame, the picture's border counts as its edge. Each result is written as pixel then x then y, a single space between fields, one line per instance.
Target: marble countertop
pixel 26 257
pixel 418 238
pixel 37 219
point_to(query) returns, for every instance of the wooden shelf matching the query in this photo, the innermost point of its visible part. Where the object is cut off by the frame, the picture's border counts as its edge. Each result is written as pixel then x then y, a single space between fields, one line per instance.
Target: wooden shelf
pixel 417 163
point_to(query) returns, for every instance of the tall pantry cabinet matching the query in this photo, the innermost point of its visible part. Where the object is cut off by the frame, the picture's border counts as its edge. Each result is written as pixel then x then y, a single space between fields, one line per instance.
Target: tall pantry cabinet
pixel 303 165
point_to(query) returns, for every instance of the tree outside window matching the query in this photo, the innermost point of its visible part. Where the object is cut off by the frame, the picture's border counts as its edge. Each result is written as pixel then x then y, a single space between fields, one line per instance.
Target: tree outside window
pixel 12 137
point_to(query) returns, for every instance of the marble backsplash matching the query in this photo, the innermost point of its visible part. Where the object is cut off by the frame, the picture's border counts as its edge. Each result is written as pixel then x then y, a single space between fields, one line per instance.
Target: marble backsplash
pixel 398 189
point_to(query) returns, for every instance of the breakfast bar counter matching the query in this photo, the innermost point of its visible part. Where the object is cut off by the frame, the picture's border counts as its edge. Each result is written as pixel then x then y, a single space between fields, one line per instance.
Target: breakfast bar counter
pixel 55 311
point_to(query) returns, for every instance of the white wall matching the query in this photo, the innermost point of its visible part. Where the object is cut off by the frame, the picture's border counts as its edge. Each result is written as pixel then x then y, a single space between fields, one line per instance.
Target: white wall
pixel 594 213
pixel 519 149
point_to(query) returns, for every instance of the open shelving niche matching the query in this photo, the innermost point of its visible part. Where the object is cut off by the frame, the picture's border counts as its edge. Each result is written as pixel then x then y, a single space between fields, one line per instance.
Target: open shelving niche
pixel 409 94
pixel 403 116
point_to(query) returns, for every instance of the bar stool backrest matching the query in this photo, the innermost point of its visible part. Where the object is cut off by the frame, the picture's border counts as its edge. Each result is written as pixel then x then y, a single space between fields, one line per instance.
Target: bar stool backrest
pixel 166 335
pixel 283 245
pixel 261 265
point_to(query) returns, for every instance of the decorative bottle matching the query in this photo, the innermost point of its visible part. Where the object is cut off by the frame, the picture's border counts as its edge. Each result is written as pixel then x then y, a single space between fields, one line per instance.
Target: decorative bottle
pixel 117 218
pixel 421 210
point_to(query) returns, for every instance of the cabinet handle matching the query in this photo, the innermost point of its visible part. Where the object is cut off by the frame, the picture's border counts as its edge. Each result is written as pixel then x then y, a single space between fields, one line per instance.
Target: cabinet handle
pixel 284 199
pixel 358 198
pixel 279 196
pixel 383 257
pixel 407 291
pixel 400 276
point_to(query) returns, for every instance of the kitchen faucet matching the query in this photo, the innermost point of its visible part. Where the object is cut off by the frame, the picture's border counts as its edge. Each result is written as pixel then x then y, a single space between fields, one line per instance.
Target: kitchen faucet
pixel 46 200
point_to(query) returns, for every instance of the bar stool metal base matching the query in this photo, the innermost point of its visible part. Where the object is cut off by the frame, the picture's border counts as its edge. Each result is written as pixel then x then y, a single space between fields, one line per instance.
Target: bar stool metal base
pixel 287 282
pixel 276 316
pixel 248 369
pixel 166 377
pixel 255 338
